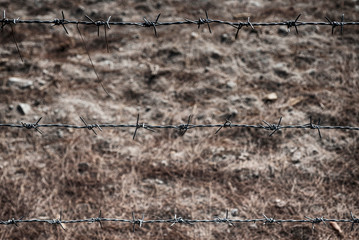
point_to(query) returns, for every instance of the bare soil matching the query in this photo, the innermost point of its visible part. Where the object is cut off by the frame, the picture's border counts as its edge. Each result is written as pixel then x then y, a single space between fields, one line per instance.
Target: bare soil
pixel 184 71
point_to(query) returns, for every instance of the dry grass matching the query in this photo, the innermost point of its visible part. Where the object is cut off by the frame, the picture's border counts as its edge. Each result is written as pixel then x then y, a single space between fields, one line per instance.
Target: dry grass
pixel 185 71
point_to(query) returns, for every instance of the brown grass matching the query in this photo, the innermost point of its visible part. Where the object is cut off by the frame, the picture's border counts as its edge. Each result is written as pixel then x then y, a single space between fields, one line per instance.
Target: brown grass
pixel 290 175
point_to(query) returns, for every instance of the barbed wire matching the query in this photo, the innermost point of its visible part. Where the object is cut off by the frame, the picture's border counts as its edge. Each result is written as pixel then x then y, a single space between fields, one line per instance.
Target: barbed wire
pixel 182 128
pixel 179 220
pixel 153 24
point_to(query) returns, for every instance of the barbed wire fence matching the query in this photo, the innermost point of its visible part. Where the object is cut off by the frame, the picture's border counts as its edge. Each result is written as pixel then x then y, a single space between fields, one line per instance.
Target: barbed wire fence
pixel 179 220
pixel 182 128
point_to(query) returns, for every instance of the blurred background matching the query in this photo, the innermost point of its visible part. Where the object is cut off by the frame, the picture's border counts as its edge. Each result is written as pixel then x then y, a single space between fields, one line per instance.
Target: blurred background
pixel 265 74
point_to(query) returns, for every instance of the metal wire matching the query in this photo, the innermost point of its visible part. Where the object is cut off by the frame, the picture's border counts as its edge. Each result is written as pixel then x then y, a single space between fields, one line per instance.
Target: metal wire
pixel 181 127
pixel 179 220
pixel 153 24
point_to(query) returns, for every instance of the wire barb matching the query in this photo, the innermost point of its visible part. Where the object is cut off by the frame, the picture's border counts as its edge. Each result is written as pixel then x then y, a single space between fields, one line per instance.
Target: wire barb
pixel 57 221
pixel 137 221
pixel 240 25
pixel 224 220
pixel 184 127
pixel 335 24
pixel 100 23
pixel 272 127
pixel 97 219
pixel 12 221
pixel 315 126
pixel 293 24
pixel 179 220
pixel 249 24
pixel 268 220
pixel 148 23
pixel 227 123
pixel 91 127
pixel 61 22
pixel 316 220
pixel 204 21
pixel 33 125
pixel 143 125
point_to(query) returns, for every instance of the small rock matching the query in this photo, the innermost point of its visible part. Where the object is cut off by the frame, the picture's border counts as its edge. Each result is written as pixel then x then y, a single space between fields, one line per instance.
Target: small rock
pixel 60 133
pixel 216 55
pixel 234 212
pixel 281 70
pixel 271 97
pixel 225 38
pixel 19 82
pixel 279 203
pixel 24 108
pixel 159 181
pixel 231 84
pixel 11 107
pixel 253 226
pixel 194 35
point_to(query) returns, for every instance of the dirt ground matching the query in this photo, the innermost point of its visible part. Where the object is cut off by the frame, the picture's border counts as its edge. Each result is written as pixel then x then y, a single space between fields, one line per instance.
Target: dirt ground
pixel 184 71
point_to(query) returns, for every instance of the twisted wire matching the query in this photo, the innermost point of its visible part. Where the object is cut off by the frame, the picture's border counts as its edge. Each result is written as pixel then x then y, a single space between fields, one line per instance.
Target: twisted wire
pixel 153 24
pixel 182 128
pixel 179 220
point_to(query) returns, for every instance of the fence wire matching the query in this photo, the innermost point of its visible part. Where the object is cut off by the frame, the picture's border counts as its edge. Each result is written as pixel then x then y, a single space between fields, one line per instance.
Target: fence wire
pixel 182 128
pixel 153 24
pixel 179 220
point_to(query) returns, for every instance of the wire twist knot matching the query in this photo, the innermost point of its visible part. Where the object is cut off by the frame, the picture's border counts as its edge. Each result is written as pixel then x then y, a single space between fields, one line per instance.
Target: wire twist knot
pixel 272 127
pixel 148 23
pixel 184 127
pixel 224 220
pixel 293 24
pixel 316 220
pixel 61 22
pixel 227 123
pixel 180 220
pixel 32 125
pixel 335 24
pixel 268 220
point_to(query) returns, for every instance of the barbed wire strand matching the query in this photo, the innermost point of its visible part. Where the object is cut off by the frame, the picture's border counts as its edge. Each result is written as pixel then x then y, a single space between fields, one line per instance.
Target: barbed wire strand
pixel 147 23
pixel 179 220
pixel 182 128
